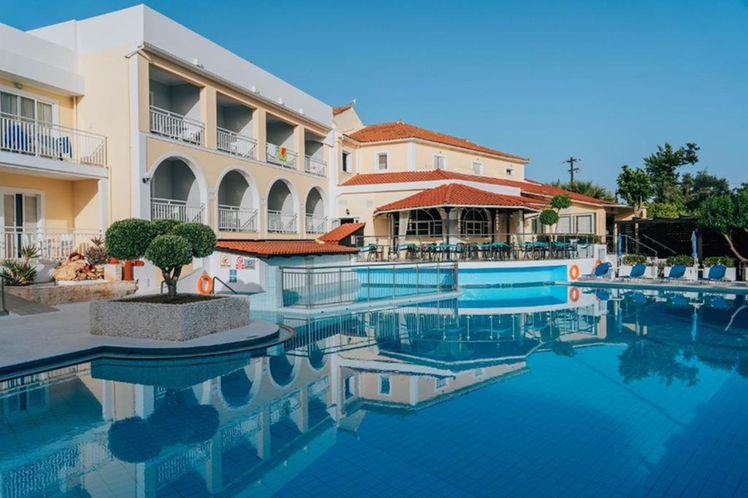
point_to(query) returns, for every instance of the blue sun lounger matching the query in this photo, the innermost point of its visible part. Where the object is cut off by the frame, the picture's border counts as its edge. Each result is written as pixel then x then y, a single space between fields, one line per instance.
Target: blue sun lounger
pixel 637 271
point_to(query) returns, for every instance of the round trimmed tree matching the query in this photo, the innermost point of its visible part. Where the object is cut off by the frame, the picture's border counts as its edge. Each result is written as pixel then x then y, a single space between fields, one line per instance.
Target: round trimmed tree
pixel 170 253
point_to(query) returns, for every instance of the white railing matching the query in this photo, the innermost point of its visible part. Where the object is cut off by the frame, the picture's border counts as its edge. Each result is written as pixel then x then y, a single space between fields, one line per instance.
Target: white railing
pixel 235 144
pixel 279 222
pixel 314 166
pixel 315 224
pixel 282 156
pixel 26 136
pixel 173 125
pixel 52 244
pixel 171 209
pixel 236 219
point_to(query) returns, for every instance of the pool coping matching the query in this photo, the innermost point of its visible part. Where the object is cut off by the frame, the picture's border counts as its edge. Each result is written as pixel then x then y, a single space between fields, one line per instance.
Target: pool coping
pixel 664 285
pixel 337 309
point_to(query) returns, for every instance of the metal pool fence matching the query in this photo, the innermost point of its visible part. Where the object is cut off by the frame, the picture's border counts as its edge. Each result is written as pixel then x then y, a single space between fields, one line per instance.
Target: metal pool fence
pixel 312 287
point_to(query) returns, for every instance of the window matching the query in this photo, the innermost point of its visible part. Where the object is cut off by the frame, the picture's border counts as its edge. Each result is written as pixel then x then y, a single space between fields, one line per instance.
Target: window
pixel 346 165
pixel 585 223
pixel 384 385
pixel 425 222
pixel 20 210
pixel 510 172
pixel 349 387
pixel 382 161
pixel 564 225
pixel 477 167
pixel 12 105
pixel 474 222
pixel 440 161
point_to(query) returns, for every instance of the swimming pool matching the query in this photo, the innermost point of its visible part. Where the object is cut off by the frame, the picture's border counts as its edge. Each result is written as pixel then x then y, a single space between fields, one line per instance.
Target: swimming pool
pixel 617 393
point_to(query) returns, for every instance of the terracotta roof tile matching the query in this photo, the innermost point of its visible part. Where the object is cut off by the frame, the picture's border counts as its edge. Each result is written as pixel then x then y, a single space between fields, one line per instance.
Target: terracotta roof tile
pixel 456 194
pixel 269 248
pixel 528 187
pixel 399 131
pixel 339 233
pixel 341 109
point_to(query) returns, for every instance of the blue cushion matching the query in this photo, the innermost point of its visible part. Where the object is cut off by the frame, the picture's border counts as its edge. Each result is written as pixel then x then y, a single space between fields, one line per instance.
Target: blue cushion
pixel 602 269
pixel 677 271
pixel 717 272
pixel 638 270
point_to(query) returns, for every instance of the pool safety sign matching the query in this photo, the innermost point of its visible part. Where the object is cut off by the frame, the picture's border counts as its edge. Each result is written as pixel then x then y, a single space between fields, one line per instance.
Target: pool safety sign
pixel 232 276
pixel 236 262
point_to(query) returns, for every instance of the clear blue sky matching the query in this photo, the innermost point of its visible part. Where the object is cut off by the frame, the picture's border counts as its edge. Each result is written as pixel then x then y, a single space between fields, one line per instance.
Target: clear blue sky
pixel 605 81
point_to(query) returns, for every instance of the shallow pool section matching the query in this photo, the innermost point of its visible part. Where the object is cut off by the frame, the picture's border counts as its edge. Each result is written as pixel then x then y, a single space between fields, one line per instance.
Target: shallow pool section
pixel 612 393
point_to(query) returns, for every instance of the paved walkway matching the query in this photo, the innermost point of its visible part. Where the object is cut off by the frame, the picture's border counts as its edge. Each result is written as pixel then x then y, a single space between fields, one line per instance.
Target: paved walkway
pixel 19 306
pixel 31 342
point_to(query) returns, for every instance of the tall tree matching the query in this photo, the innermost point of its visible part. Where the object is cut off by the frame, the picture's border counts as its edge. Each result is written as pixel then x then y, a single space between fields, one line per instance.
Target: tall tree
pixel 635 187
pixel 726 214
pixel 696 188
pixel 586 188
pixel 662 167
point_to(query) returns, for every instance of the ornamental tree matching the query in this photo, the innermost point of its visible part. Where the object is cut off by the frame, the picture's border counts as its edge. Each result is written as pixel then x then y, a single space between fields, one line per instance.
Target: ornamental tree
pixel 550 216
pixel 167 244
pixel 726 214
pixel 635 187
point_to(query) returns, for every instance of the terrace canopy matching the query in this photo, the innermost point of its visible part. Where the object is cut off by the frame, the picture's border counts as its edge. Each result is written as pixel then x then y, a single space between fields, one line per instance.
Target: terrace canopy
pixel 457 211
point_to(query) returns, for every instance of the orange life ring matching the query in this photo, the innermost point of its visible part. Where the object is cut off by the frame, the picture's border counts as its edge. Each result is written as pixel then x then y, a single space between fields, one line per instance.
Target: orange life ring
pixel 574 294
pixel 573 272
pixel 597 263
pixel 205 284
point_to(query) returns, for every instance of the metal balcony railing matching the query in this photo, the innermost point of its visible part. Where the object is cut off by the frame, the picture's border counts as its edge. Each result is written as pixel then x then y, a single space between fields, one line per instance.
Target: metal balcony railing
pixel 173 125
pixel 52 244
pixel 315 224
pixel 279 222
pixel 52 141
pixel 171 209
pixel 314 166
pixel 236 219
pixel 282 156
pixel 232 143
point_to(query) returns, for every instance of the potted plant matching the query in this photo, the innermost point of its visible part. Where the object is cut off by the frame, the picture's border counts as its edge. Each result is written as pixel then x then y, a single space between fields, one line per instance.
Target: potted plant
pixel 682 259
pixel 169 246
pixel 629 260
pixel 21 271
pixel 730 273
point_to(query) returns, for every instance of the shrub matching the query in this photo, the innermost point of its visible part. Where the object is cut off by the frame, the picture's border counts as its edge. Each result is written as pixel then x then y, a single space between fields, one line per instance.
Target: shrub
pixel 632 259
pixel 719 260
pixel 127 240
pixel 96 254
pixel 680 259
pixel 18 272
pixel 162 227
pixel 170 252
pixel 201 238
pixel 548 217
pixel 559 202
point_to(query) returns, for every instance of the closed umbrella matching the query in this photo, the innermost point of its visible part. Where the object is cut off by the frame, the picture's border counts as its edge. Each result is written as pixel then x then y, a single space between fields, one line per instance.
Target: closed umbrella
pixel 694 247
pixel 619 245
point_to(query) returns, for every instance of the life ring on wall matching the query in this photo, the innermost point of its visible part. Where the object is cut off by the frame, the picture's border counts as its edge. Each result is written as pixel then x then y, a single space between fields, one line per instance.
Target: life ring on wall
pixel 205 284
pixel 574 294
pixel 573 272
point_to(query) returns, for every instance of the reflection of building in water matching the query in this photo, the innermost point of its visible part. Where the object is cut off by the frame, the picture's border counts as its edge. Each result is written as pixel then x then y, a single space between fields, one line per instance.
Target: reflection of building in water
pixel 227 424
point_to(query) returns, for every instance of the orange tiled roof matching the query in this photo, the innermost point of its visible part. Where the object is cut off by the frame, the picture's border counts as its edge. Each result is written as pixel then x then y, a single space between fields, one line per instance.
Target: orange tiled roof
pixel 269 248
pixel 339 233
pixel 528 187
pixel 338 110
pixel 456 194
pixel 399 131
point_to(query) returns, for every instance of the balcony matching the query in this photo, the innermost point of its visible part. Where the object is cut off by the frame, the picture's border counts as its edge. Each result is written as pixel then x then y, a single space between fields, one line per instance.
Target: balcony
pixel 175 126
pixel 282 156
pixel 279 222
pixel 52 244
pixel 172 209
pixel 236 219
pixel 316 224
pixel 314 166
pixel 237 145
pixel 51 141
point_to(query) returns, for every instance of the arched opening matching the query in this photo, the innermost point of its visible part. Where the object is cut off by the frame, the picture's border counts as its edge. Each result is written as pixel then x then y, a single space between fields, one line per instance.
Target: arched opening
pixel 282 215
pixel 317 358
pixel 316 222
pixel 425 223
pixel 282 369
pixel 236 211
pixel 236 388
pixel 175 193
pixel 474 222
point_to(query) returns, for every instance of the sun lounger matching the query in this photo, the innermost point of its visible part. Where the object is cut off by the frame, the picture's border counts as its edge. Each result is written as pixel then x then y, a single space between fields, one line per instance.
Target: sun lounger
pixel 677 272
pixel 716 273
pixel 637 271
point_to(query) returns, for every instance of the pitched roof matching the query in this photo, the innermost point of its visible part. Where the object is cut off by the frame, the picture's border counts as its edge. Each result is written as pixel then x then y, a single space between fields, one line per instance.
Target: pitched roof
pixel 529 187
pixel 341 109
pixel 400 130
pixel 269 248
pixel 340 232
pixel 455 194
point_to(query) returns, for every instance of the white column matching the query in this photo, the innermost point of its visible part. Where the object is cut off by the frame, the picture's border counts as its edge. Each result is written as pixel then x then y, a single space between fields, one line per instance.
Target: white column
pixel 103 195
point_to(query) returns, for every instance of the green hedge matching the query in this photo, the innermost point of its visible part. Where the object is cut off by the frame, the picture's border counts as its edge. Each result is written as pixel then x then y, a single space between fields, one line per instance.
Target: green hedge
pixel 719 260
pixel 632 259
pixel 680 259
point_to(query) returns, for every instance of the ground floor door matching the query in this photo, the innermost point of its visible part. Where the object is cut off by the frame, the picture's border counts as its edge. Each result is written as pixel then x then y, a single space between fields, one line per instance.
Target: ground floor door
pixel 20 216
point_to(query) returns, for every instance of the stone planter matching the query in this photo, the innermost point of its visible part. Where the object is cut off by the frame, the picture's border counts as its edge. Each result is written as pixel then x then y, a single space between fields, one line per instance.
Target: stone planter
pixel 731 274
pixel 132 317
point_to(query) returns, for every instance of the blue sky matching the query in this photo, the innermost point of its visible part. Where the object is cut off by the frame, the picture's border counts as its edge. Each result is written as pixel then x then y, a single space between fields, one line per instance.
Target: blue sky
pixel 605 81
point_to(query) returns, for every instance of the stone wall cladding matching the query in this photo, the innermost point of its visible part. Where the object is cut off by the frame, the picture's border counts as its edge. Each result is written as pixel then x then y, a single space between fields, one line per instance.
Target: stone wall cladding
pixel 168 322
pixel 52 294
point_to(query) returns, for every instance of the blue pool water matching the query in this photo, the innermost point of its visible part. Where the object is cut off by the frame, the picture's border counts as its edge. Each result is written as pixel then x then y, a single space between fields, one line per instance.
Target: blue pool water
pixel 501 393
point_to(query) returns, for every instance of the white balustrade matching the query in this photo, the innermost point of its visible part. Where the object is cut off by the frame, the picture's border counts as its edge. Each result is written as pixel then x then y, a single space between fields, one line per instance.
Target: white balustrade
pixel 173 125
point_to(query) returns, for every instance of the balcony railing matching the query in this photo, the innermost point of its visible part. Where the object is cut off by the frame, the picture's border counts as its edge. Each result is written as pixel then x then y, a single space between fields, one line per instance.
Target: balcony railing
pixel 173 125
pixel 36 138
pixel 171 209
pixel 52 244
pixel 315 224
pixel 235 144
pixel 314 166
pixel 282 156
pixel 279 222
pixel 236 219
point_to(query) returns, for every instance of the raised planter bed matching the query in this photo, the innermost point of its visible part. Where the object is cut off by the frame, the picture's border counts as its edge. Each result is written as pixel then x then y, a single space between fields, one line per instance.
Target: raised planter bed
pixel 73 291
pixel 156 317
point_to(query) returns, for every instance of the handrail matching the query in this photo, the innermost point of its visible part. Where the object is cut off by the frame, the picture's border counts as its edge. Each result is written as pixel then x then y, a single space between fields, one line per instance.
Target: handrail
pixel 213 287
pixel 658 243
pixel 639 242
pixel 3 309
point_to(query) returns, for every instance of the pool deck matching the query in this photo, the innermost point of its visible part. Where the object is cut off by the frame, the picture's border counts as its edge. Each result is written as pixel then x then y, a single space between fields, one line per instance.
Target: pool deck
pixel 666 285
pixel 28 343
